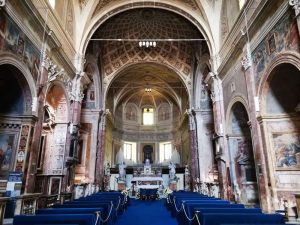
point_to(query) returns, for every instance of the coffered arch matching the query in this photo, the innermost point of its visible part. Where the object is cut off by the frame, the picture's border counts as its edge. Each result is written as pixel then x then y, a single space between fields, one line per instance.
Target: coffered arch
pixel 98 19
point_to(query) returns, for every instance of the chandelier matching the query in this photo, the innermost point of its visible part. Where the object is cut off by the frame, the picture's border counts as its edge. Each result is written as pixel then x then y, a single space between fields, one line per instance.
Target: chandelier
pixel 147 44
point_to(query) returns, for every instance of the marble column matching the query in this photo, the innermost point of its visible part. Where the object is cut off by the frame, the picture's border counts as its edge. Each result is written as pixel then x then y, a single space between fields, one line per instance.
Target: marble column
pixel 194 160
pixel 219 139
pixel 296 6
pixel 258 153
pixel 99 175
pixel 34 150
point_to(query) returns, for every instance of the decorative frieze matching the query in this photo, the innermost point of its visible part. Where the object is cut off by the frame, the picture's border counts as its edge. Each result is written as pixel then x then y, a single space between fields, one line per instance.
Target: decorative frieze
pixel 296 5
pixel 9 126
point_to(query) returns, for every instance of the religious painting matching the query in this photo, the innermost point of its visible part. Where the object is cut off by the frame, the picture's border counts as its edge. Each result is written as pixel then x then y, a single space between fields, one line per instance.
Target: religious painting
pixel 54 187
pixel 7 146
pixel 286 147
pixel 11 36
pixel 21 44
pixel 272 44
pixel 31 58
pixel 131 113
pixel 3 24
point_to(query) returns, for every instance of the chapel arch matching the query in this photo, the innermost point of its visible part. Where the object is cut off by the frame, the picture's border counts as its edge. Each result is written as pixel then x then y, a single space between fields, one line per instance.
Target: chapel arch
pixel 243 172
pixel 15 117
pixel 52 147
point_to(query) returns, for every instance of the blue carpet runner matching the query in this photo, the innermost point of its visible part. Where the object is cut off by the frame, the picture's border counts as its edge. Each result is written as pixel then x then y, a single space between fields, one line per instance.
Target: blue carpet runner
pixel 146 213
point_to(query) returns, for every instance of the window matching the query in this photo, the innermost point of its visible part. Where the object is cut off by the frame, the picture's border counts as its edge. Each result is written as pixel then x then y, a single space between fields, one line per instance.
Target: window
pixel 148 118
pixel 52 3
pixel 242 3
pixel 165 151
pixel 130 151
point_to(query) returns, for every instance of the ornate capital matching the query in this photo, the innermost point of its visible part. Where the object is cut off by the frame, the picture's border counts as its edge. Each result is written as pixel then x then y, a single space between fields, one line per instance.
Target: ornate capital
pixel 296 5
pixel 215 62
pixel 247 59
pixel 79 63
pixel 76 91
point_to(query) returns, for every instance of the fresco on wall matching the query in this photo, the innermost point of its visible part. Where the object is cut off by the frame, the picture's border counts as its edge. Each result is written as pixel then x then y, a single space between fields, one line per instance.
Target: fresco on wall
pixel 13 40
pixel 6 151
pixel 11 36
pixel 31 58
pixel 286 147
pixel 164 113
pixel 131 113
pixel 283 37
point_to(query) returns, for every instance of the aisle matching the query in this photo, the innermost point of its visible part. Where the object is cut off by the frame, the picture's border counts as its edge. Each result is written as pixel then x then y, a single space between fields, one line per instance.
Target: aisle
pixel 146 213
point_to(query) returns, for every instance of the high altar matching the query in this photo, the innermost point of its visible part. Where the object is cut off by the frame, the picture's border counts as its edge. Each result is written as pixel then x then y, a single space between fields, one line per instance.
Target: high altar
pixel 144 176
pixel 147 179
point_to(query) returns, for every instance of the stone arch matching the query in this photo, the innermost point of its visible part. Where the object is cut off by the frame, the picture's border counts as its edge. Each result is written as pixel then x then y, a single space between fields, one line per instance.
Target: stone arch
pixel 108 82
pixel 65 101
pixel 55 130
pixel 101 18
pixel 241 154
pixel 291 58
pixel 30 92
pixel 202 70
pixel 237 98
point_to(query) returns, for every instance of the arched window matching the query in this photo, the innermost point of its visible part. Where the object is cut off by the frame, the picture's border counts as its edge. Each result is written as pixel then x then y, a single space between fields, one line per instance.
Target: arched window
pixel 165 151
pixel 148 116
pixel 52 3
pixel 242 3
pixel 130 151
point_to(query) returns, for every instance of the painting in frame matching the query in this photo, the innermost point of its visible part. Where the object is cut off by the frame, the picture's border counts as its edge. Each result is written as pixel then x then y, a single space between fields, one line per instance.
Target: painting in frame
pixel 286 147
pixel 7 153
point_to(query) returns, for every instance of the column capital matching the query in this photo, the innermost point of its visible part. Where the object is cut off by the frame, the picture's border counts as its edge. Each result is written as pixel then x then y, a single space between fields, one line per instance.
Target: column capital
pixel 296 5
pixel 247 59
pixel 79 63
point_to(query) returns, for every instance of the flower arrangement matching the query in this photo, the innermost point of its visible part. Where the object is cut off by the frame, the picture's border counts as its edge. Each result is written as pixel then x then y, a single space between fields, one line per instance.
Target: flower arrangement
pixel 125 192
pixel 167 191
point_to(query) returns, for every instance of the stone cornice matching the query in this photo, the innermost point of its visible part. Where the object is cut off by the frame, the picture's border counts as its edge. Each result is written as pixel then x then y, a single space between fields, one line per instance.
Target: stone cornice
pixel 235 38
pixel 33 28
pixel 230 49
pixel 61 45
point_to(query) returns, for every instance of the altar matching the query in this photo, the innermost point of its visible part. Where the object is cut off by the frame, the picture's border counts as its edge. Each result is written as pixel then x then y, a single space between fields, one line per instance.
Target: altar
pixel 147 182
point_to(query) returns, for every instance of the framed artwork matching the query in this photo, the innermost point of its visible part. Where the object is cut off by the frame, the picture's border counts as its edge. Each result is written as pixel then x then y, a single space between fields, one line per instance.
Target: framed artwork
pixel 54 187
pixel 286 147
pixel 7 153
pixel 272 44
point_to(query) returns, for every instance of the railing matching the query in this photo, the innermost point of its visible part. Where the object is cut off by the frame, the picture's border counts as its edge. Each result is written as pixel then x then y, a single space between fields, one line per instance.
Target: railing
pixel 26 204
pixel 65 197
pixel 47 201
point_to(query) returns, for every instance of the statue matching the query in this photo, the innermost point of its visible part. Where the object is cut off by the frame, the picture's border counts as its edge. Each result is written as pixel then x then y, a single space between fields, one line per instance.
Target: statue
pixel 122 171
pixel 147 167
pixel 175 158
pixel 120 157
pixel 186 170
pixel 172 171
pixel 107 169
